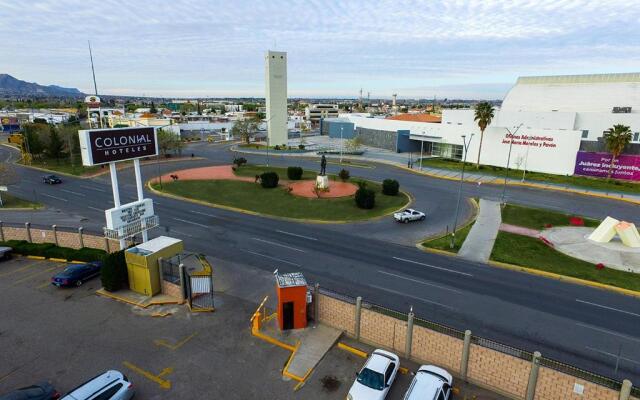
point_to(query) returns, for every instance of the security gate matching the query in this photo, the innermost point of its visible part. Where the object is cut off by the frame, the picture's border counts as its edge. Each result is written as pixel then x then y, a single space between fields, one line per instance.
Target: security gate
pixel 200 292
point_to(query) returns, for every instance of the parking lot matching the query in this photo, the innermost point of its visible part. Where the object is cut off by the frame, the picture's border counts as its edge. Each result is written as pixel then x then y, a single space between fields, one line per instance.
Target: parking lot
pixel 67 336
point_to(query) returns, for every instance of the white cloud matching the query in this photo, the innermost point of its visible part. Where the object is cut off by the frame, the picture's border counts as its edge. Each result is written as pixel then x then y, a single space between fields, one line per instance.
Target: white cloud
pixel 214 47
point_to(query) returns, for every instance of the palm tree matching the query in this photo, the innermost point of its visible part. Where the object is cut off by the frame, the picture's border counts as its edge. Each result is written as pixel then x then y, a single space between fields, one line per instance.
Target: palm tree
pixel 616 138
pixel 484 115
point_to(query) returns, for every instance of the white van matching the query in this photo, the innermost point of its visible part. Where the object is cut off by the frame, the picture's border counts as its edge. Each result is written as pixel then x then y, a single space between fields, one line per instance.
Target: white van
pixel 430 383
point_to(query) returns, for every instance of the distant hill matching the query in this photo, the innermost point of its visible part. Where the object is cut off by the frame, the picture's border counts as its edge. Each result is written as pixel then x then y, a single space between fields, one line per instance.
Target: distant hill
pixel 10 86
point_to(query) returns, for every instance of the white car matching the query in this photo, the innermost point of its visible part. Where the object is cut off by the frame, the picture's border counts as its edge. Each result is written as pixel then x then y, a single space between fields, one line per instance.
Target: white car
pixel 112 385
pixel 375 378
pixel 409 215
pixel 430 382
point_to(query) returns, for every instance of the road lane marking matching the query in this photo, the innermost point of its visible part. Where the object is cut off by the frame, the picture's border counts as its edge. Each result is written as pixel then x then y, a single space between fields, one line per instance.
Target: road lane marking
pixel 162 342
pixel 73 193
pixel 163 383
pixel 420 281
pixel 271 258
pixel 412 297
pixel 295 234
pixel 616 356
pixel 205 214
pixel 432 266
pixel 93 188
pixel 190 222
pixel 607 307
pixel 607 331
pixel 278 244
pixel 94 208
pixel 180 233
pixel 54 197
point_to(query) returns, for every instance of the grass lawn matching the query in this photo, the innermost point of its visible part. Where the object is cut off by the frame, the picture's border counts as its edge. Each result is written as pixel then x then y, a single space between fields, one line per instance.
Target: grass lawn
pixel 64 165
pixel 443 242
pixel 571 180
pixel 253 170
pixel 9 201
pixel 536 218
pixel 533 253
pixel 252 197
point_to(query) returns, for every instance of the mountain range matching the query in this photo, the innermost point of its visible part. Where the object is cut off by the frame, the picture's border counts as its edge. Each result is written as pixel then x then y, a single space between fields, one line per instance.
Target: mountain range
pixel 10 86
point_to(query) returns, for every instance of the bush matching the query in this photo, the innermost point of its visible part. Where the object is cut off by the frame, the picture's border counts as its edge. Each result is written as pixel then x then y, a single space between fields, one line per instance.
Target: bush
pixel 344 175
pixel 294 173
pixel 239 161
pixel 269 180
pixel 50 250
pixel 276 147
pixel 301 146
pixel 390 187
pixel 365 198
pixel 113 273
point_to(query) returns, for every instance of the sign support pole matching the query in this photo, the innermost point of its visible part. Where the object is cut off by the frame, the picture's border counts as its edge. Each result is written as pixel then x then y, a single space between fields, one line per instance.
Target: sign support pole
pixel 136 167
pixel 116 192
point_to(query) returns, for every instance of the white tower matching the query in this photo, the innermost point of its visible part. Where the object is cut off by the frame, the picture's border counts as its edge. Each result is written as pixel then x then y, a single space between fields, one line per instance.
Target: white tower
pixel 275 77
pixel 394 107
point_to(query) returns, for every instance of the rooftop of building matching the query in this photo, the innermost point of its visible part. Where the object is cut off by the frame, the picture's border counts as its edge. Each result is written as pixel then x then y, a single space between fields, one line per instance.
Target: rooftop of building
pixel 422 117
pixel 589 78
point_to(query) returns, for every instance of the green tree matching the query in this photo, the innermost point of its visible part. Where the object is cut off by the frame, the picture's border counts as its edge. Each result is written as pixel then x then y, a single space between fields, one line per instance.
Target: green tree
pixel 244 129
pixel 153 109
pixel 616 138
pixel 54 149
pixel 483 116
pixel 169 141
pixel 33 134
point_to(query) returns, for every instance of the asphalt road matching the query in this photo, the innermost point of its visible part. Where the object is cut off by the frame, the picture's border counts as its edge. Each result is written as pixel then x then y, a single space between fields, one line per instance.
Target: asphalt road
pixel 579 325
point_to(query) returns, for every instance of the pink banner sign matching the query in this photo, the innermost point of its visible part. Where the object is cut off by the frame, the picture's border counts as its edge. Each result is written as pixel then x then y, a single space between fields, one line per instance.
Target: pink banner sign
pixel 598 164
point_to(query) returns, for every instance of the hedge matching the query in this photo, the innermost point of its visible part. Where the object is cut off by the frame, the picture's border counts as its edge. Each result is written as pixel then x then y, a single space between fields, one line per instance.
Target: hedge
pixel 294 173
pixel 390 187
pixel 114 274
pixel 365 198
pixel 269 179
pixel 344 175
pixel 50 250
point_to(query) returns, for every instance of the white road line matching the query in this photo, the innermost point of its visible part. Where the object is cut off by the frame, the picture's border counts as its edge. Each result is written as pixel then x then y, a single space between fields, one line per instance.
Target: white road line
pixel 180 233
pixel 420 281
pixel 94 208
pixel 432 266
pixel 54 197
pixel 205 214
pixel 607 307
pixel 73 193
pixel 611 354
pixel 412 297
pixel 295 234
pixel 278 244
pixel 93 188
pixel 607 331
pixel 190 222
pixel 271 258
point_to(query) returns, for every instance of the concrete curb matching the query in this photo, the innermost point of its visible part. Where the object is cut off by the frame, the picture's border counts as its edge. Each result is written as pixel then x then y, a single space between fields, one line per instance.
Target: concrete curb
pixel 546 274
pixel 492 182
pixel 254 213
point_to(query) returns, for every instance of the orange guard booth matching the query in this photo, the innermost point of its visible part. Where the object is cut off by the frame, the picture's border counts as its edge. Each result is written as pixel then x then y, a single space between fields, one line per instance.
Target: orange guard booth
pixel 292 300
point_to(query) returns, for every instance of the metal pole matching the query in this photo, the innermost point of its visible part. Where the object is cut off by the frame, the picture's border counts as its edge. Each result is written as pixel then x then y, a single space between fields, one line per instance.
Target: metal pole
pixel 341 144
pixel 356 327
pixel 267 148
pixel 158 167
pixel 421 152
pixel 116 193
pixel 464 162
pixel 533 376
pixel 409 339
pixel 506 172
pixel 136 168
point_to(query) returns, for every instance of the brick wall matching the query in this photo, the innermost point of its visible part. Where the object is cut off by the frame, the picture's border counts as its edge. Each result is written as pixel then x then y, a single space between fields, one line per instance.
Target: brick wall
pixel 65 239
pixel 488 368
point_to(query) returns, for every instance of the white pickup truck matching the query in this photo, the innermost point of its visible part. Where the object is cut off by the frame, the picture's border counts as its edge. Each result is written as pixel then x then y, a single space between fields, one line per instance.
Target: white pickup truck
pixel 409 215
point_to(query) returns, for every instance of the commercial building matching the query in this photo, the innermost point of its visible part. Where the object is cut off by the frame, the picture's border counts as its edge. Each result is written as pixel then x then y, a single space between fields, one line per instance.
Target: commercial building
pixel 275 77
pixel 315 112
pixel 552 124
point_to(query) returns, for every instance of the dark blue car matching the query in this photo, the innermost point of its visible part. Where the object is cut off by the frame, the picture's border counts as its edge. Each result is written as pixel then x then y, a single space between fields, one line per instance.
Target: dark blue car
pixel 77 274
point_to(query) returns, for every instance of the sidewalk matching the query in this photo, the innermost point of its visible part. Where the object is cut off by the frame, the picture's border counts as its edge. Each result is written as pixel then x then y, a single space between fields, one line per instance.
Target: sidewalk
pixel 479 242
pixel 401 160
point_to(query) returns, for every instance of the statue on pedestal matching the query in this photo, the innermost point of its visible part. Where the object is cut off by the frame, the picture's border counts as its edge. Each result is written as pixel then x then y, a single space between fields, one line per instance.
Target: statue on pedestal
pixel 323 166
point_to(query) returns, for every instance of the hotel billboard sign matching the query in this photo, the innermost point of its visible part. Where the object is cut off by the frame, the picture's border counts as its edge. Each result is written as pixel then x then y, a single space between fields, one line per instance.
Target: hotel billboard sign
pixel 102 146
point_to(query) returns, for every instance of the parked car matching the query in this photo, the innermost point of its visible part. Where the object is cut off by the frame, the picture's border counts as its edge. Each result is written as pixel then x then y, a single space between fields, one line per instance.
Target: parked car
pixel 5 253
pixel 409 215
pixel 430 382
pixel 51 179
pixel 39 391
pixel 76 274
pixel 375 378
pixel 111 385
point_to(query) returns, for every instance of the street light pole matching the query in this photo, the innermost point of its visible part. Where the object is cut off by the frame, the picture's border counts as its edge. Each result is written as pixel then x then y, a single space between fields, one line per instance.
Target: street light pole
pixel 464 162
pixel 341 143
pixel 506 171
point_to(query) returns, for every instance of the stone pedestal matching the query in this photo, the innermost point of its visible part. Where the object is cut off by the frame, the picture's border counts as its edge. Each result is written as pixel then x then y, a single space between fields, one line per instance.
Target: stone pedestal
pixel 322 182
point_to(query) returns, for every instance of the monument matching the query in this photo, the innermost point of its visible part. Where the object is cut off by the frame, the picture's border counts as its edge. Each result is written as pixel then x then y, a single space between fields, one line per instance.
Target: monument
pixel 322 180
pixel 275 77
pixel 626 231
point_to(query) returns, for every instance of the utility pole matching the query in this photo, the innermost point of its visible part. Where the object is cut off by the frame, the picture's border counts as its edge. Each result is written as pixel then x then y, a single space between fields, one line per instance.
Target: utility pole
pixel 464 162
pixel 506 171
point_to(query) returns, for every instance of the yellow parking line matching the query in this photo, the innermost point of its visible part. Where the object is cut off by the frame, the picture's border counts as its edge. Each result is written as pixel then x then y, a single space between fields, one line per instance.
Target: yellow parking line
pixel 21 268
pixel 161 342
pixel 44 285
pixel 163 383
pixel 35 274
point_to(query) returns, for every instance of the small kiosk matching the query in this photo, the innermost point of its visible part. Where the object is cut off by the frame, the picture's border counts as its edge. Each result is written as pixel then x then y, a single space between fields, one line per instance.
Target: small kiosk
pixel 142 263
pixel 292 300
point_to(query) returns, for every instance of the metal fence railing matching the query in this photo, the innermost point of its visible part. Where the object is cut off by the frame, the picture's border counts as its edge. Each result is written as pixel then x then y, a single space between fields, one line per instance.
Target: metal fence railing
pixel 490 344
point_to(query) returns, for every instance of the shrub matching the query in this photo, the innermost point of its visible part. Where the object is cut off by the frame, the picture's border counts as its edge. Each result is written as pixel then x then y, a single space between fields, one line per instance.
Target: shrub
pixel 276 147
pixel 301 146
pixel 294 173
pixel 50 250
pixel 390 187
pixel 239 161
pixel 365 198
pixel 344 175
pixel 113 273
pixel 269 179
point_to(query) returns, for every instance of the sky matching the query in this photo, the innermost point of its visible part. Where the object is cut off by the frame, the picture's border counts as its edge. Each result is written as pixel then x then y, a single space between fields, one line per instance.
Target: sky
pixel 417 49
